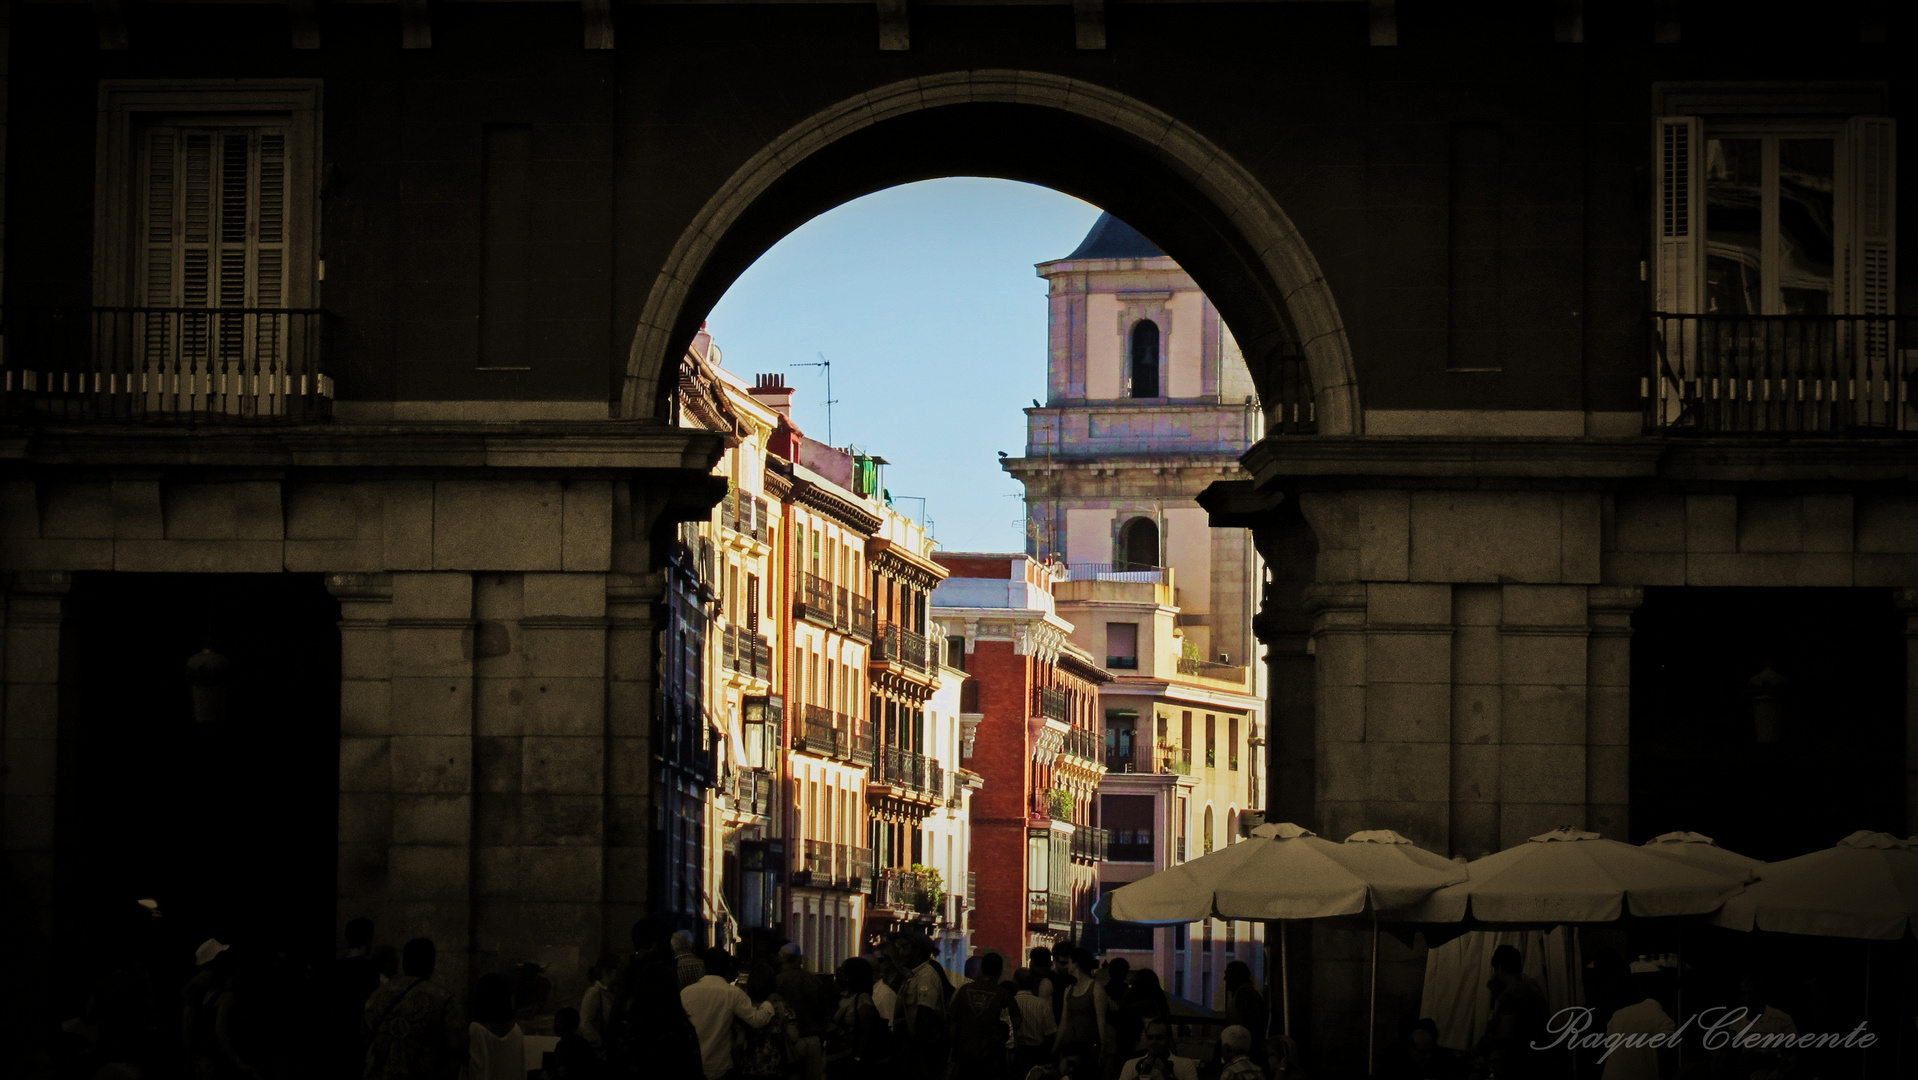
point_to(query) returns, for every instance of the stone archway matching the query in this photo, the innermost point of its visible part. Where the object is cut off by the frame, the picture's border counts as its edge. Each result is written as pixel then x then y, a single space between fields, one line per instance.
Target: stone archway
pixel 1266 250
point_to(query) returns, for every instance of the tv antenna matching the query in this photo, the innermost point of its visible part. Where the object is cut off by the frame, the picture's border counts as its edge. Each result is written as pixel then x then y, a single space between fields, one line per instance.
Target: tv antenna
pixel 830 400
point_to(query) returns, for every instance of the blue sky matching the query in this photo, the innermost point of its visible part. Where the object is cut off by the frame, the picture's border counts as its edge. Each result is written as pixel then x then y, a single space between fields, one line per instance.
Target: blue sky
pixel 924 298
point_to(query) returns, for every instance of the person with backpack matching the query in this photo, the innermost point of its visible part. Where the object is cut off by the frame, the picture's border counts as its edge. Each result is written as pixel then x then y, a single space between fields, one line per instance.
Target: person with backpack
pixel 979 1022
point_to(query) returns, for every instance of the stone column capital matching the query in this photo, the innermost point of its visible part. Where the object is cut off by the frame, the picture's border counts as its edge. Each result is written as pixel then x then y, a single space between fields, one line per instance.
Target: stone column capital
pixel 1609 608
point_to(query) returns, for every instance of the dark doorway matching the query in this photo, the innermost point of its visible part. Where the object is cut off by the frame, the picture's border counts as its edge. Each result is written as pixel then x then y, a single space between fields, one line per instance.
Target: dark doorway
pixel 1769 763
pixel 1139 545
pixel 231 825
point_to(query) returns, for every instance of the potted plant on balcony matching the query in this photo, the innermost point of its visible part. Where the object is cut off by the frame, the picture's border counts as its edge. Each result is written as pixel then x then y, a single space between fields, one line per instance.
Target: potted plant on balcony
pixel 931 897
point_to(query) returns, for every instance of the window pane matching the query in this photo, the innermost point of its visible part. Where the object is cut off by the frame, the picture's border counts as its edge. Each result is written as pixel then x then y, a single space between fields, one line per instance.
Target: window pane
pixel 1805 186
pixel 1734 206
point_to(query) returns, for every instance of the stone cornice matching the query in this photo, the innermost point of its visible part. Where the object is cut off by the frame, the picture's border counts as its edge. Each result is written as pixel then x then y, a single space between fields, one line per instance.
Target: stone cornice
pixel 899 562
pixel 602 448
pixel 813 497
pixel 1311 461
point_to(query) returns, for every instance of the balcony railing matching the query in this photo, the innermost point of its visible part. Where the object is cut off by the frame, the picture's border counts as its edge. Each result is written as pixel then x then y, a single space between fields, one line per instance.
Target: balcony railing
pixel 219 365
pixel 1051 703
pixel 1779 374
pixel 861 623
pixel 905 769
pixel 1139 573
pixel 1129 845
pixel 834 735
pixel 905 890
pixel 814 599
pixel 896 644
pixel 826 865
pixel 1089 845
pixel 1085 745
pixel 1290 409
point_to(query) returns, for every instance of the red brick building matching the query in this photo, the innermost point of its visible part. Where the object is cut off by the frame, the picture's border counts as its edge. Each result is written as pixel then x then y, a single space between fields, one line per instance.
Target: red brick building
pixel 1034 829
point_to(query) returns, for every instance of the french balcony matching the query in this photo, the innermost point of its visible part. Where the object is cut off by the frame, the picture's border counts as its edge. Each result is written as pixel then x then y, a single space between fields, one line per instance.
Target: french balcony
pixel 1085 745
pixel 861 624
pixel 822 864
pixel 1779 375
pixel 153 364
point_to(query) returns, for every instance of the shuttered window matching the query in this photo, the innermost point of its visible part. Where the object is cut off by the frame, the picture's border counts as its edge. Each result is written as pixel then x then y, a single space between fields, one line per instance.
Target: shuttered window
pixel 214 229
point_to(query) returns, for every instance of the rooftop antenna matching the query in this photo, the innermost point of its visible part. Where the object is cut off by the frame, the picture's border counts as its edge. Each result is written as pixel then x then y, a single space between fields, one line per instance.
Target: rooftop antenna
pixel 830 400
pixel 918 499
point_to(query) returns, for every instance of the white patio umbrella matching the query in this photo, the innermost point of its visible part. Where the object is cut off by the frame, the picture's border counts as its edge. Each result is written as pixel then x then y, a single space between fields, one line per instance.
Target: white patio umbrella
pixel 1286 872
pixel 1572 876
pixel 1865 886
pixel 1699 850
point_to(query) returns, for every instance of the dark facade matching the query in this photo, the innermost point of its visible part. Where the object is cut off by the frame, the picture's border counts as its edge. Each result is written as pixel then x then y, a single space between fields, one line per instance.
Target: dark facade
pixel 390 297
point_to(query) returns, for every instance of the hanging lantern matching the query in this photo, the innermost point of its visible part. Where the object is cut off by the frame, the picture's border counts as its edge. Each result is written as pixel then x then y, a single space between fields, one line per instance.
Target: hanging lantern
pixel 762 719
pixel 209 677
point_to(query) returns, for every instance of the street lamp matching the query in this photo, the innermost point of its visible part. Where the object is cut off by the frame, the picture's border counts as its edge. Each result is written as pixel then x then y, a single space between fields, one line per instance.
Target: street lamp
pixel 763 717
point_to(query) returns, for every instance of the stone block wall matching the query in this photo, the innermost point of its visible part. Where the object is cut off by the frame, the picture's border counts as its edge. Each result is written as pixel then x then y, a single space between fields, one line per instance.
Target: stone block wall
pixel 496 685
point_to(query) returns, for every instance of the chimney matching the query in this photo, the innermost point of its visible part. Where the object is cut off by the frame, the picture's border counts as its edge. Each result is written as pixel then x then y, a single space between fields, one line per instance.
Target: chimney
pixel 772 392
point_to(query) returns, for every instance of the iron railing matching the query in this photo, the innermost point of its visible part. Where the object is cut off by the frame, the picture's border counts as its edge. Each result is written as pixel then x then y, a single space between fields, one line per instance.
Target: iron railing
pixel 1779 374
pixel 896 644
pixel 1051 703
pixel 208 365
pixel 834 735
pixel 906 890
pixel 814 600
pixel 1090 844
pixel 745 514
pixel 1084 744
pixel 1289 385
pixel 861 622
pixel 906 769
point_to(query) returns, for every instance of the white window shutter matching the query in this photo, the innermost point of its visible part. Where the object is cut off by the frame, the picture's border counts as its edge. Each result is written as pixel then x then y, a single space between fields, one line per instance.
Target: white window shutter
pixel 1869 264
pixel 1678 214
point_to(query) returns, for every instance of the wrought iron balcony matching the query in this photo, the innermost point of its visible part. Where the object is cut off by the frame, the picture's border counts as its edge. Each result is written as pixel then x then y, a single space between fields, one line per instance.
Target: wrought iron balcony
pixel 751 791
pixel 204 365
pixel 814 600
pixel 904 890
pixel 1085 745
pixel 861 623
pixel 1779 374
pixel 746 653
pixel 898 645
pixel 1089 845
pixel 904 769
pixel 1051 703
pixel 745 514
pixel 834 735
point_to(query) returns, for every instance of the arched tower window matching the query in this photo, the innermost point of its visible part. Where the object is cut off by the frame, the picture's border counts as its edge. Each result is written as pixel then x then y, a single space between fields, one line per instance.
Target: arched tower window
pixel 1145 358
pixel 1139 544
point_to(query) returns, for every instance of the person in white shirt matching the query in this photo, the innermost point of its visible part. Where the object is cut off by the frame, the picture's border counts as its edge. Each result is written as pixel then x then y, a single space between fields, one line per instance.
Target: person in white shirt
pixel 1632 1028
pixel 714 1003
pixel 1159 1062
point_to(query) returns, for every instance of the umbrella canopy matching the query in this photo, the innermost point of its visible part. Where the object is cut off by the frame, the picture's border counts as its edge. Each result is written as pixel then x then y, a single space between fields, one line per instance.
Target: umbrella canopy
pixel 1866 886
pixel 1571 876
pixel 1701 851
pixel 1285 872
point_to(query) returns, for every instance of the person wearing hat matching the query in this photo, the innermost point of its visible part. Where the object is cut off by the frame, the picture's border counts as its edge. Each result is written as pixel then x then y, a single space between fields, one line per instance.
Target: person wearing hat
pixel 1632 1028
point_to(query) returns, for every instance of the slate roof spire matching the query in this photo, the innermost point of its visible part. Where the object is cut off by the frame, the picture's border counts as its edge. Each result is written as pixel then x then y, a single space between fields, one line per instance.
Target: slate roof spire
pixel 1111 238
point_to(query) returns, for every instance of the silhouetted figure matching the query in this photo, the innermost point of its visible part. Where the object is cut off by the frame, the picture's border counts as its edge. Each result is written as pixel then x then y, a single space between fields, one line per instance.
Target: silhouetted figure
pixel 1144 1002
pixel 858 1042
pixel 809 1001
pixel 978 1021
pixel 412 1021
pixel 714 1004
pixel 1517 1019
pixel 1244 1005
pixel 688 968
pixel 1033 1025
pixel 1082 1020
pixel 596 1005
pixel 574 1058
pixel 1235 1055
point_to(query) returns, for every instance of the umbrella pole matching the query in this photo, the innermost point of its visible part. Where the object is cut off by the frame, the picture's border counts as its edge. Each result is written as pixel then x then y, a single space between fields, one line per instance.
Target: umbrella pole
pixel 1372 1007
pixel 1864 1053
pixel 1285 980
